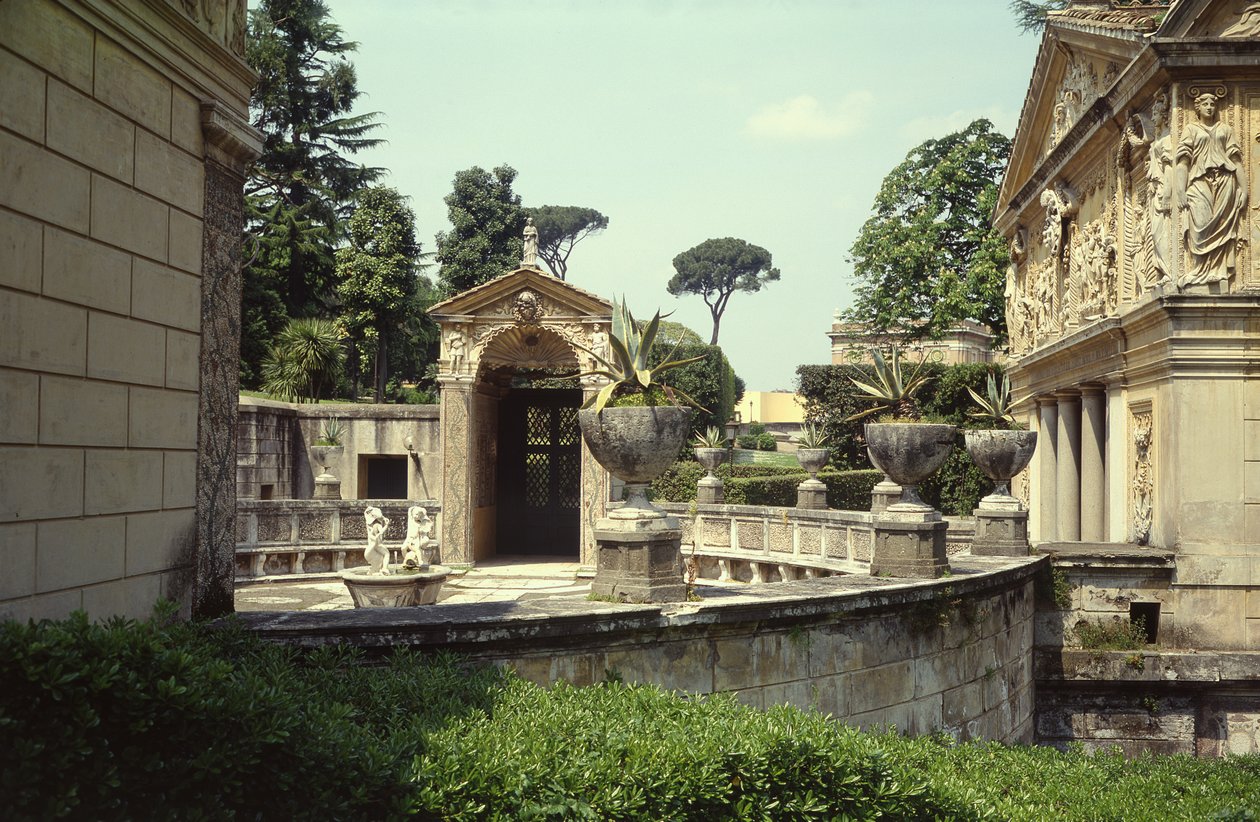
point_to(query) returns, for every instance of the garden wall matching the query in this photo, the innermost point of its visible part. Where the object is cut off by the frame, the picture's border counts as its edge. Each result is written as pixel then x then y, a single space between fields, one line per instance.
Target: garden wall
pixel 953 654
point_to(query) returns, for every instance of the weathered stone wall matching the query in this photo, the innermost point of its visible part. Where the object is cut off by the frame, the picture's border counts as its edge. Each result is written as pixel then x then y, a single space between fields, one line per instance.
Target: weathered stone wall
pixel 122 142
pixel 265 449
pixel 952 655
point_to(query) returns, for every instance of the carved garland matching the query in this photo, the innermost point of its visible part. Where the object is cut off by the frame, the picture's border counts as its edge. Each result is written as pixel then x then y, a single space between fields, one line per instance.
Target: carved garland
pixel 1141 424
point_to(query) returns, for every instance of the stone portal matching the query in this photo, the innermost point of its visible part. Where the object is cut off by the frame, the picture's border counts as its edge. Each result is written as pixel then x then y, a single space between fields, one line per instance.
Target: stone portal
pixel 516 477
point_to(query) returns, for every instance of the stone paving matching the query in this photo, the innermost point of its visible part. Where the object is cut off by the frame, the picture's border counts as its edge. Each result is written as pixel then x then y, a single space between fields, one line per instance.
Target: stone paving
pixel 498 580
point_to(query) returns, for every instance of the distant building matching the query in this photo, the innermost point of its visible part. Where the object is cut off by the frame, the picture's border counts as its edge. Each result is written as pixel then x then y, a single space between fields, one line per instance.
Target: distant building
pixel 966 342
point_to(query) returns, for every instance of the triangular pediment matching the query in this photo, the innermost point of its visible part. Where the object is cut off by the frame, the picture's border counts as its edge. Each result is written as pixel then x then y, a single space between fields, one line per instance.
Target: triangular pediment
pixel 1083 52
pixel 498 298
pixel 1226 19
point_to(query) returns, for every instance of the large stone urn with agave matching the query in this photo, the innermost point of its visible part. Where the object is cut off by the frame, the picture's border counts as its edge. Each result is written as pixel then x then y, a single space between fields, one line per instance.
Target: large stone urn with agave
pixel 909 534
pixel 1000 451
pixel 635 426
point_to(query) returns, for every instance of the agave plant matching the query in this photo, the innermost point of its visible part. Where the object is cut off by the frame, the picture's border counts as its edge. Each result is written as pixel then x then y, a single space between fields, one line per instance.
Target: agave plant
pixel 812 436
pixel 894 392
pixel 627 370
pixel 712 437
pixel 331 433
pixel 996 404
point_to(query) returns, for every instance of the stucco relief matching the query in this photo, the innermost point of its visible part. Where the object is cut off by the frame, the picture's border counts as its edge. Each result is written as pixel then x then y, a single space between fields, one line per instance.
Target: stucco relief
pixel 1091 285
pixel 1212 189
pixel 222 20
pixel 1078 92
pixel 1018 307
pixel 1148 213
pixel 1141 424
pixel 1247 24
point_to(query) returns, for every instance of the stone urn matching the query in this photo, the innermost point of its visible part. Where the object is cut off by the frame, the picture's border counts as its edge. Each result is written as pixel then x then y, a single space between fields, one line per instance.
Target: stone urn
pixel 709 489
pixel 327 485
pixel 909 453
pixel 813 460
pixel 636 444
pixel 400 588
pixel 812 493
pixel 1000 455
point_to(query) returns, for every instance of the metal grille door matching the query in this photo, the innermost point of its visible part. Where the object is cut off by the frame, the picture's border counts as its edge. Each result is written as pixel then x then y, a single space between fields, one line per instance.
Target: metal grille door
pixel 540 454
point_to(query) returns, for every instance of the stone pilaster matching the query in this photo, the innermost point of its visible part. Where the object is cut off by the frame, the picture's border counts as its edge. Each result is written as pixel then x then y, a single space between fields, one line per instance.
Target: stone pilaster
pixel 230 144
pixel 1047 470
pixel 457 488
pixel 1068 461
pixel 1093 494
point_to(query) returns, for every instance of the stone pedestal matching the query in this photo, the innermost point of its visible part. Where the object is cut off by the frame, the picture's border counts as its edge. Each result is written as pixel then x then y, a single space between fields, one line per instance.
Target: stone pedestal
pixel 327 487
pixel 1000 533
pixel 885 493
pixel 710 491
pixel 909 545
pixel 638 560
pixel 812 494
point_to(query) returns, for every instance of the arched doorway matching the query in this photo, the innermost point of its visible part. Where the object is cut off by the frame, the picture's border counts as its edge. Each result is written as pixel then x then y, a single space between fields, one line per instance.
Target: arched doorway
pixel 517 479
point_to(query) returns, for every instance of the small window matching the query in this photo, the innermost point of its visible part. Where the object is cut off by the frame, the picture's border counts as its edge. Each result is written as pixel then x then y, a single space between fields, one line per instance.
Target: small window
pixel 1148 614
pixel 266 491
pixel 383 477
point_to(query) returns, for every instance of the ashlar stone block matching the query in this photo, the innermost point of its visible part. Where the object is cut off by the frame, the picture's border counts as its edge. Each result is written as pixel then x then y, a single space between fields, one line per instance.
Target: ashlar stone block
pixel 182 366
pixel 179 479
pixel 81 271
pixel 19 420
pixel 159 540
pixel 184 250
pixel 165 296
pixel 122 481
pixel 21 96
pixel 43 185
pixel 129 219
pixel 132 87
pixel 17 558
pixel 49 36
pixel 84 130
pixel 162 419
pixel 132 598
pixel 170 174
pixel 126 350
pixel 75 552
pixel 41 334
pixel 82 412
pixel 40 483
pixel 22 252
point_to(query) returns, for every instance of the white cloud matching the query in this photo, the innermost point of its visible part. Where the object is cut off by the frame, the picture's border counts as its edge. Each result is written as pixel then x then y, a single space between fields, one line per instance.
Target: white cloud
pixel 804 118
pixel 929 127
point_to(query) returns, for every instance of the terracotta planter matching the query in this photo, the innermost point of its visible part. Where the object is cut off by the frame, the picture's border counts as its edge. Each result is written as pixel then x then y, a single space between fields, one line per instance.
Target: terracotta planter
pixel 1000 455
pixel 399 589
pixel 909 453
pixel 636 444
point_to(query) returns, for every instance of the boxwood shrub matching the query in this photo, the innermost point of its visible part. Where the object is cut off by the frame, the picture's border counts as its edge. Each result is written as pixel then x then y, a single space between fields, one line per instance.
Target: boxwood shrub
pixel 767 485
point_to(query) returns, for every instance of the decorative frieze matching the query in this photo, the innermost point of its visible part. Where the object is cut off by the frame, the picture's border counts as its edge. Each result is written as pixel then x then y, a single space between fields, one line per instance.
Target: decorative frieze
pixel 1141 423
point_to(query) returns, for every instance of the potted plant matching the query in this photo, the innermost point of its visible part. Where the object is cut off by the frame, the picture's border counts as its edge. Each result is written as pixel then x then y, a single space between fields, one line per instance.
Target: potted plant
pixel 1004 449
pixel 813 452
pixel 903 446
pixel 710 447
pixel 634 426
pixel 327 447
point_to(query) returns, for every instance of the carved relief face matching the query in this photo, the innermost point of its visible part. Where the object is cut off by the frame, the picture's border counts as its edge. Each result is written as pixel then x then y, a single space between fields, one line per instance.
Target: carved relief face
pixel 1159 110
pixel 527 308
pixel 1205 105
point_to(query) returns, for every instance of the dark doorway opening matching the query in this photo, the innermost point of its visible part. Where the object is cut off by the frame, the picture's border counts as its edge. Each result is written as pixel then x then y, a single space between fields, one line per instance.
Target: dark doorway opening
pixel 1148 614
pixel 383 477
pixel 539 472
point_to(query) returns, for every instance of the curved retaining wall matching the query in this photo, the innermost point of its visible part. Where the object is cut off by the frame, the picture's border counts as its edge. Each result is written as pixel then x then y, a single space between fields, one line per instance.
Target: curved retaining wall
pixel 952 655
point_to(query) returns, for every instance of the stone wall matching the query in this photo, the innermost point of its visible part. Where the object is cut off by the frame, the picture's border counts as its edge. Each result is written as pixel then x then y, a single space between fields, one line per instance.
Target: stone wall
pixel 265 450
pixel 952 655
pixel 122 144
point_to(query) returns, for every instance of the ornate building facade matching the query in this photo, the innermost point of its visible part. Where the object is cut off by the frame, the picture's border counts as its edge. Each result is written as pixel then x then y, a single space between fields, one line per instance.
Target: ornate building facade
pixel 1133 296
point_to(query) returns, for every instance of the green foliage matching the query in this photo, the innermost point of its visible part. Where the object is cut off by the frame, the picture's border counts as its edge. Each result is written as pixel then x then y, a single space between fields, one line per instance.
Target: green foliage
pixel 487 227
pixel 708 379
pixel 892 390
pixel 927 257
pixel 1061 589
pixel 716 269
pixel 831 399
pixel 1116 634
pixel 1030 15
pixel 305 361
pixel 298 191
pixel 630 370
pixel 757 442
pixel 330 433
pixel 560 228
pixel 846 490
pixel 711 437
pixel 756 428
pixel 377 277
pixel 167 720
pixel 812 436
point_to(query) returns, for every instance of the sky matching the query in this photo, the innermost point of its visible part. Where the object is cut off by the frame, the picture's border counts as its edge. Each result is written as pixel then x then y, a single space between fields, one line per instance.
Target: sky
pixel 773 121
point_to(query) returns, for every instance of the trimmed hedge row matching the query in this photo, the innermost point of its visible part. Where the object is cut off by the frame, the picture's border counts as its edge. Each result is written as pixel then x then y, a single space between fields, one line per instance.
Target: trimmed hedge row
pixel 177 721
pixel 767 485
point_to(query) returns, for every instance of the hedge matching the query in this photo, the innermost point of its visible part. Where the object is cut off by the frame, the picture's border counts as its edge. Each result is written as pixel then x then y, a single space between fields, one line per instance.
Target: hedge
pixel 175 721
pixel 767 485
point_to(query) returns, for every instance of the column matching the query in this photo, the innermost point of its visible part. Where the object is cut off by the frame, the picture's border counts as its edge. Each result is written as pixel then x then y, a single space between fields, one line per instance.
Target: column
pixel 1068 460
pixel 1093 467
pixel 1047 470
pixel 1117 469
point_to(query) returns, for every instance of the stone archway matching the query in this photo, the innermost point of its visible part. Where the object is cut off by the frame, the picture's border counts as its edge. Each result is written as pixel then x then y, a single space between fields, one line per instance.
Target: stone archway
pixel 524 321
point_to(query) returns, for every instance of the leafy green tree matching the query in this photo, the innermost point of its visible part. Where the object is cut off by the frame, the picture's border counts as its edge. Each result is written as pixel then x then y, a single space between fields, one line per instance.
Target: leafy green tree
pixel 305 360
pixel 560 228
pixel 716 269
pixel 1030 15
pixel 376 275
pixel 487 227
pixel 299 190
pixel 928 258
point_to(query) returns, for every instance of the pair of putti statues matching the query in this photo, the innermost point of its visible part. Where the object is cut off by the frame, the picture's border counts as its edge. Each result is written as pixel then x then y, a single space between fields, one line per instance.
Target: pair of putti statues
pixel 419 548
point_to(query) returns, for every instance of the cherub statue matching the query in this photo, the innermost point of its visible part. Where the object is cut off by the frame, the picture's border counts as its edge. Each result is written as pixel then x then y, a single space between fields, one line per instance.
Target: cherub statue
pixel 376 554
pixel 419 547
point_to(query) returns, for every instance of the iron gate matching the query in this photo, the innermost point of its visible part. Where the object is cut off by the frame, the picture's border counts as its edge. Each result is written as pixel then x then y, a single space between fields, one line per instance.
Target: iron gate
pixel 539 472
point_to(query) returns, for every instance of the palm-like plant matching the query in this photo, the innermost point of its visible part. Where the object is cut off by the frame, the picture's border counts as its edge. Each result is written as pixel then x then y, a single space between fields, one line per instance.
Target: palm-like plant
pixel 306 357
pixel 812 436
pixel 712 437
pixel 894 391
pixel 996 404
pixel 627 370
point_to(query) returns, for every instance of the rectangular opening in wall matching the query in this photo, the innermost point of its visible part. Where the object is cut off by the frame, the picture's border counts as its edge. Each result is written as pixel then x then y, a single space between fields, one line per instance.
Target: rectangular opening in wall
pixel 266 491
pixel 383 477
pixel 1148 613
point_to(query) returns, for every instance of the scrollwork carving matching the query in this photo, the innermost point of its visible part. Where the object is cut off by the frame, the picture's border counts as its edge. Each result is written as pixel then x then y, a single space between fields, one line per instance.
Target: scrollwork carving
pixel 1141 424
